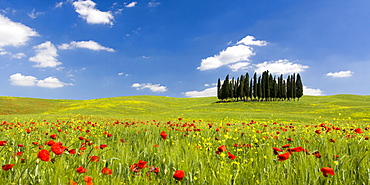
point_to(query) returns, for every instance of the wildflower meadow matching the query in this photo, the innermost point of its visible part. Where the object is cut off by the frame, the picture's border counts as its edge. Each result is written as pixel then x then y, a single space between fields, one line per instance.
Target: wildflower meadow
pixel 81 149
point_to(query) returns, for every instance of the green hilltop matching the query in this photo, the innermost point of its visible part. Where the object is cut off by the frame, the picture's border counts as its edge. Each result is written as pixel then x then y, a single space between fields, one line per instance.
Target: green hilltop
pixel 337 108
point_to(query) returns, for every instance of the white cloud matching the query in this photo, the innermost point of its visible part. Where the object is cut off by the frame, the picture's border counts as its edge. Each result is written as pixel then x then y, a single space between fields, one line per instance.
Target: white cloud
pixel 85 44
pixel 14 33
pixel 17 56
pixel 122 73
pixel 34 14
pixel 59 5
pixel 152 87
pixel 340 74
pixel 21 80
pixel 239 65
pixel 49 82
pixel 212 91
pixel 230 55
pixel 153 4
pixel 132 4
pixel 249 41
pixel 46 55
pixel 280 67
pixel 312 92
pixel 87 11
pixel 233 54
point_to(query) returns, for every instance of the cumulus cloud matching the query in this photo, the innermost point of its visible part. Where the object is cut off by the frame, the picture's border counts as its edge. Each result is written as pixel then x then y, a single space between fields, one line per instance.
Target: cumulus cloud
pixel 242 51
pixel 14 33
pixel 132 4
pixel 239 65
pixel 7 53
pixel 212 91
pixel 312 92
pixel 340 74
pixel 249 41
pixel 49 82
pixel 46 55
pixel 280 67
pixel 230 55
pixel 87 11
pixel 85 44
pixel 152 87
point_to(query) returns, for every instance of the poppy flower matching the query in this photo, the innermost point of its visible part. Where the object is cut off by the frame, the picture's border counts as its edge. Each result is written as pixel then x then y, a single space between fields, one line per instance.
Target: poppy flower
pixel 50 143
pixel 286 145
pixel 164 135
pixel 276 150
pixel 358 131
pixel 88 180
pixel 103 146
pixel 44 155
pixel 20 145
pixel 72 151
pixel 53 136
pixel 141 164
pixel 231 156
pixel 7 167
pixel 297 149
pixel 326 170
pixel 179 175
pixel 35 143
pixel 221 148
pixel 57 148
pixel 2 143
pixel 94 158
pixel 71 182
pixel 81 170
pixel 316 154
pixel 284 156
pixel 106 171
pixel 332 140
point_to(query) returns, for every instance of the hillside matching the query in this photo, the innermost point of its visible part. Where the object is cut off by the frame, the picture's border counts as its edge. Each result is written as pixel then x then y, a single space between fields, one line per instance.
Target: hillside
pixel 337 108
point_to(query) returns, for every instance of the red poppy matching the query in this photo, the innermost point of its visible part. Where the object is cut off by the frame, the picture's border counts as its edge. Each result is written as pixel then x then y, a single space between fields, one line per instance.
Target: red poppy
pixel 35 143
pixel 53 136
pixel 81 138
pixel 297 149
pixel 286 145
pixel 332 140
pixel 326 170
pixel 122 140
pixel 358 131
pixel 57 148
pixel 81 170
pixel 284 156
pixel 72 151
pixel 179 175
pixel 2 143
pixel 103 146
pixel 221 148
pixel 71 182
pixel 316 154
pixel 141 164
pixel 231 156
pixel 106 171
pixel 276 150
pixel 20 145
pixel 50 143
pixel 289 139
pixel 44 155
pixel 94 158
pixel 88 180
pixel 7 167
pixel 164 135
pixel 156 170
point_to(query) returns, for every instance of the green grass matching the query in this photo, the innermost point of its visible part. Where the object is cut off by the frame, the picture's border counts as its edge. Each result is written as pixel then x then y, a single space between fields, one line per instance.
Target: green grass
pixel 338 108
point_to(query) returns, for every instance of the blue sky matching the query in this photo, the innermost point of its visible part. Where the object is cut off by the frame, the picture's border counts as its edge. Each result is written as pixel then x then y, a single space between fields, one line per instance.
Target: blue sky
pixel 85 49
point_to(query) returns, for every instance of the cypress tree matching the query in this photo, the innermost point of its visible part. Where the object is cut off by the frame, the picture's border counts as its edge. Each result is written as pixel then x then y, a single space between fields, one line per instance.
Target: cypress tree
pixel 219 89
pixel 255 93
pixel 225 88
pixel 293 86
pixel 259 88
pixel 246 87
pixel 299 87
pixel 241 92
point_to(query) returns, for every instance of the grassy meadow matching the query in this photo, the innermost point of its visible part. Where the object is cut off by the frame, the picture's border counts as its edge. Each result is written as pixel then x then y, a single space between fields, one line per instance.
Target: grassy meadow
pixel 147 139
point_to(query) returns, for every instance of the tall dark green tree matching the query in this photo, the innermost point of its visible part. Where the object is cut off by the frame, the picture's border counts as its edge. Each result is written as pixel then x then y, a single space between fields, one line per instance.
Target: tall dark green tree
pixel 299 87
pixel 219 88
pixel 246 87
pixel 255 93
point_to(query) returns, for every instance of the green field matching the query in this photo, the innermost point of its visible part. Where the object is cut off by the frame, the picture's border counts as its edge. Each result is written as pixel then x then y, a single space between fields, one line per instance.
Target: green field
pixel 338 108
pixel 122 140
